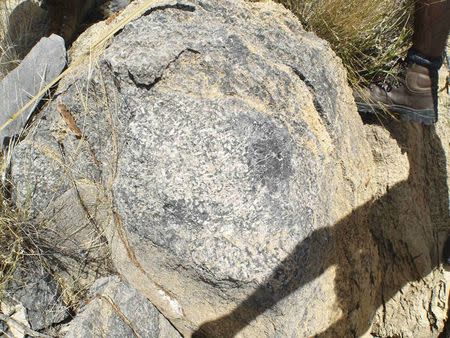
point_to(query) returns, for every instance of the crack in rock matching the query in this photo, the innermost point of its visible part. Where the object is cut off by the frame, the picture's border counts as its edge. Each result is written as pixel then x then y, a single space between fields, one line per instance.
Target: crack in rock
pixel 182 6
pixel 149 86
pixel 319 108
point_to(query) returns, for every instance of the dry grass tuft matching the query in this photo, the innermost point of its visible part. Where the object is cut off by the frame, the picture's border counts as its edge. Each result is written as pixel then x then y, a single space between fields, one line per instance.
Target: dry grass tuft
pixel 21 27
pixel 21 239
pixel 8 56
pixel 18 237
pixel 12 244
pixel 368 35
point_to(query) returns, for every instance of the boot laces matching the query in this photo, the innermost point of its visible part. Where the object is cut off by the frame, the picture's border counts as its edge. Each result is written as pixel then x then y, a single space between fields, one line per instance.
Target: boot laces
pixel 395 79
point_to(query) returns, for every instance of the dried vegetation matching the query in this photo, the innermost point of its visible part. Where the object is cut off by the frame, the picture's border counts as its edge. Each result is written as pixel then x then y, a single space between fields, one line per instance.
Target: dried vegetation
pixel 368 35
pixel 21 26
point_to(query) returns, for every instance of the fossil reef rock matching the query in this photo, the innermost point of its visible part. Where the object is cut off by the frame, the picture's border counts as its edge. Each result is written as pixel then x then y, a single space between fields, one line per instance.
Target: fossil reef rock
pixel 223 162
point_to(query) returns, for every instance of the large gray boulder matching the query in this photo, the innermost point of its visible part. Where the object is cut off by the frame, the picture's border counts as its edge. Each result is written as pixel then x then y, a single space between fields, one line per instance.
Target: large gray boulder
pixel 240 191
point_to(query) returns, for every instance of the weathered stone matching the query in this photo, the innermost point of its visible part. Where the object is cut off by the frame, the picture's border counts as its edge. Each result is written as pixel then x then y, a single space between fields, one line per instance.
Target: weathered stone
pixel 26 24
pixel 36 290
pixel 246 195
pixel 118 310
pixel 44 62
pixel 3 327
pixel 114 6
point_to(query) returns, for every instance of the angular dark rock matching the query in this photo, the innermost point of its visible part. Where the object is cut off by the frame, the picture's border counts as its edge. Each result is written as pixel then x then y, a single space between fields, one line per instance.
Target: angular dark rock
pixel 37 291
pixel 3 327
pixel 44 63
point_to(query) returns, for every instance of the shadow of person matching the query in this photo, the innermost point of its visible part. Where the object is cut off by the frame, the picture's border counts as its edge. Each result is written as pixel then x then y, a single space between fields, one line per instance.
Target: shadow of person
pixel 377 249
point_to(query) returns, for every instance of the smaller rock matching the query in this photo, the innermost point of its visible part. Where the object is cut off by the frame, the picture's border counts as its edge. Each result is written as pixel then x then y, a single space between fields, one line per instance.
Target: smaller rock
pixel 35 289
pixel 3 327
pixel 114 6
pixel 44 63
pixel 118 310
pixel 17 322
pixel 25 36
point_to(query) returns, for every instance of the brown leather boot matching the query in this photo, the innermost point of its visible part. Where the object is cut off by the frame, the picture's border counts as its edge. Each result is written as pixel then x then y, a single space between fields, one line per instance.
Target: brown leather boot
pixel 411 97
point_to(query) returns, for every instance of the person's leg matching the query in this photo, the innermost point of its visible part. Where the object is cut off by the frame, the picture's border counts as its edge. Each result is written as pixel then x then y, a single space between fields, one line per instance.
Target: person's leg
pixel 431 27
pixel 414 96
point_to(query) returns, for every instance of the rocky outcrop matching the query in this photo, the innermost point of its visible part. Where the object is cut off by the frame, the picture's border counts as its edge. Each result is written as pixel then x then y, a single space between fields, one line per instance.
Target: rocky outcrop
pixel 238 189
pixel 117 310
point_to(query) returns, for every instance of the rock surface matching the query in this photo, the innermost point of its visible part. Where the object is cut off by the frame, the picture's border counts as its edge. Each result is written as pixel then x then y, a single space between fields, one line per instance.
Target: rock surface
pixel 37 292
pixel 3 327
pixel 241 191
pixel 113 6
pixel 44 63
pixel 25 23
pixel 116 309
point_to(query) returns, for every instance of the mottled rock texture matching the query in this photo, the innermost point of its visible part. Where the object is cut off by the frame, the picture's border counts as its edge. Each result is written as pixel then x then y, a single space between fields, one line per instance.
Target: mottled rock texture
pixel 37 291
pixel 240 191
pixel 115 309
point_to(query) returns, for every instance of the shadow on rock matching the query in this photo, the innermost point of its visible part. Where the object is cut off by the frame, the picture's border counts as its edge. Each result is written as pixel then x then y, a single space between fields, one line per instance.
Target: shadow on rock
pixel 27 24
pixel 403 227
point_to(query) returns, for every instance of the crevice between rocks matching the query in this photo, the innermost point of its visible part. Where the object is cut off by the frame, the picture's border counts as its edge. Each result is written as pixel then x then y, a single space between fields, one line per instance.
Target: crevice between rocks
pixel 140 85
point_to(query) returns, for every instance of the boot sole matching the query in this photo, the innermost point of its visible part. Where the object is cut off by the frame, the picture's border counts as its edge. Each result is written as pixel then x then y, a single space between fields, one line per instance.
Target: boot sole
pixel 405 114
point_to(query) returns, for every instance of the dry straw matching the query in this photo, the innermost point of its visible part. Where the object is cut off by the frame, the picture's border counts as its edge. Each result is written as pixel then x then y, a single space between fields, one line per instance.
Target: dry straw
pixel 8 56
pixel 368 35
